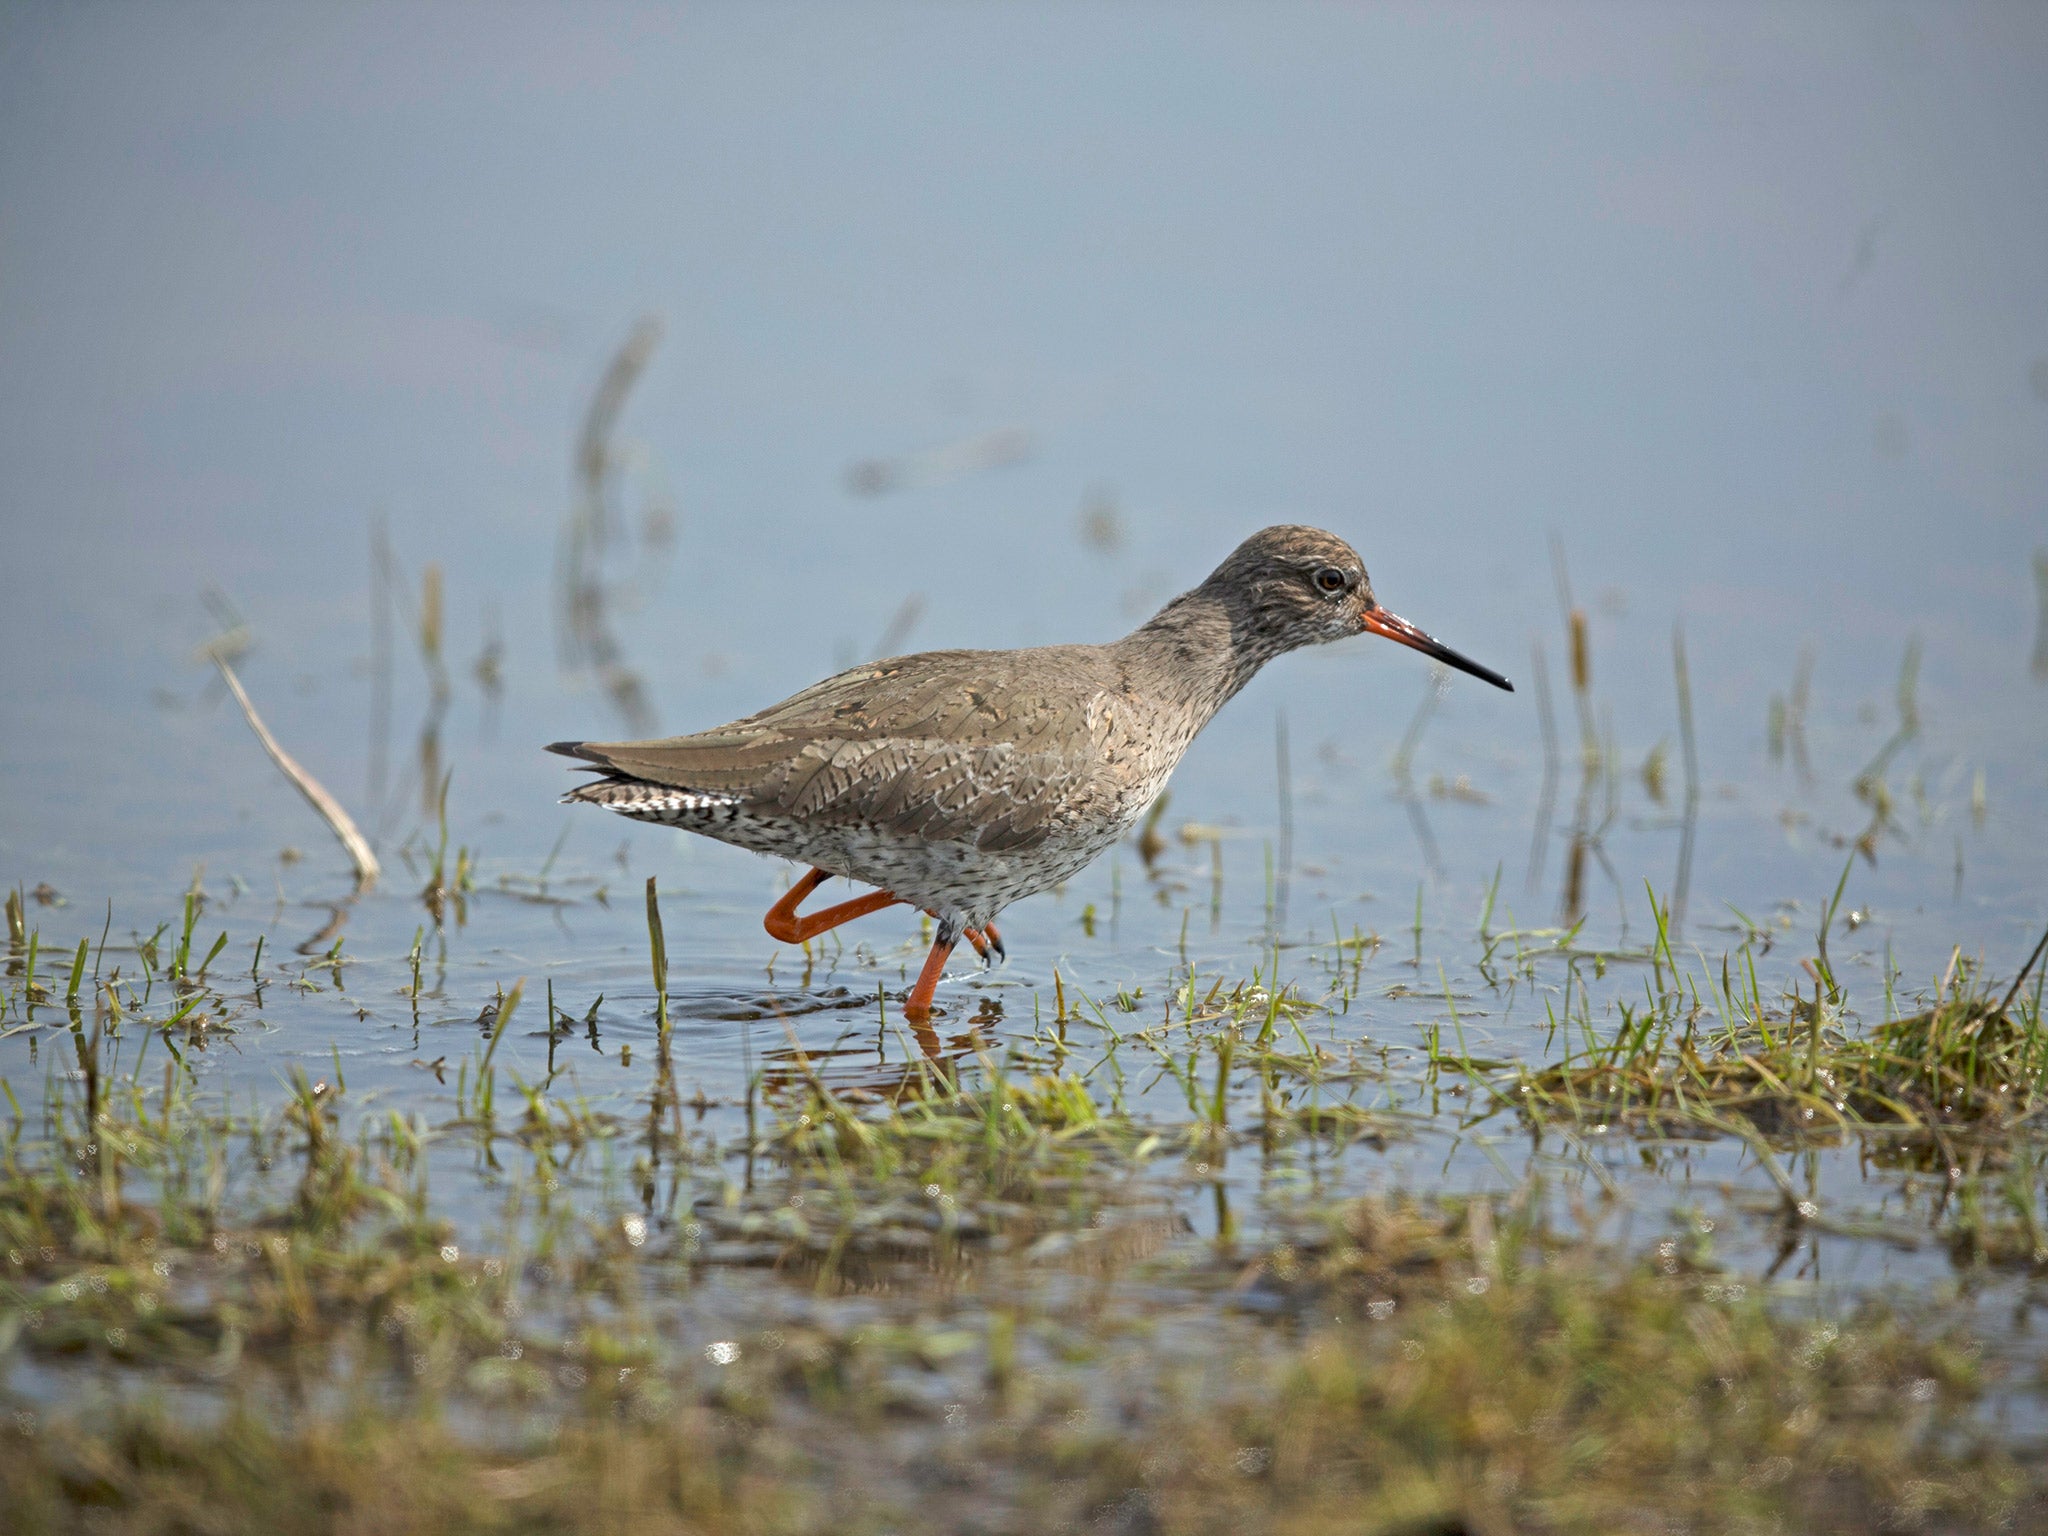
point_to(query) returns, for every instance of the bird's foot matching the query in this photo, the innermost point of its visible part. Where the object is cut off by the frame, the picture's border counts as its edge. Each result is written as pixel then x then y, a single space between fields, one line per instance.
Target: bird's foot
pixel 988 944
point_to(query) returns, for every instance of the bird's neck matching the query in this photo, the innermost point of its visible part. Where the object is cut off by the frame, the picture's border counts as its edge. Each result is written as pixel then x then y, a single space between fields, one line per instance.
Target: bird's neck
pixel 1199 650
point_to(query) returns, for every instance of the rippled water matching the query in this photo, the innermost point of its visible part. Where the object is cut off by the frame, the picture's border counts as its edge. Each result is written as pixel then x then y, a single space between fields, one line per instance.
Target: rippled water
pixel 997 329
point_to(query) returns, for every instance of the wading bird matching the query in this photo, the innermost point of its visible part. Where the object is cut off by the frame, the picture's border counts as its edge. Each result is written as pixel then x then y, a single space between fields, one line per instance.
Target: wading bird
pixel 959 782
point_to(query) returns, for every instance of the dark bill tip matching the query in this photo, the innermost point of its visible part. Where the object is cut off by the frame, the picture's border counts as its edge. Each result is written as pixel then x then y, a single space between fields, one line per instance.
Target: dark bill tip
pixel 1394 627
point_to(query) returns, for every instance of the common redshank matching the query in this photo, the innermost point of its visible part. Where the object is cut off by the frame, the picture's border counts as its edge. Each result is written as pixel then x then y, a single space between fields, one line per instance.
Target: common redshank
pixel 959 782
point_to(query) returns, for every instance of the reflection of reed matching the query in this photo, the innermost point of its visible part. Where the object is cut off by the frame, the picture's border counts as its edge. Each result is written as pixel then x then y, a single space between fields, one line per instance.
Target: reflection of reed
pixel 489 670
pixel 1403 762
pixel 587 640
pixel 424 620
pixel 1870 785
pixel 894 634
pixel 1596 772
pixel 938 466
pixel 900 626
pixel 1546 798
pixel 864 1075
pixel 1588 834
pixel 1681 886
pixel 2040 667
pixel 380 667
pixel 1283 775
pixel 439 691
pixel 1788 717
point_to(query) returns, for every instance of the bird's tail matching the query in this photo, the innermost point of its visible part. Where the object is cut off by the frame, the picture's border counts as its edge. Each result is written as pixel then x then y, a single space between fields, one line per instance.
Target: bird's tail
pixel 637 797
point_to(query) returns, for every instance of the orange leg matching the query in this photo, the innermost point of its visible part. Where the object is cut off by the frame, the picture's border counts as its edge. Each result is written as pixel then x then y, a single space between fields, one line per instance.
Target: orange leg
pixel 783 923
pixel 918 1006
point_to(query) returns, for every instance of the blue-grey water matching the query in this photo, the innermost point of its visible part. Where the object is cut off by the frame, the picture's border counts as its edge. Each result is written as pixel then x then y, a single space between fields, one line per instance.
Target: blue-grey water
pixel 996 327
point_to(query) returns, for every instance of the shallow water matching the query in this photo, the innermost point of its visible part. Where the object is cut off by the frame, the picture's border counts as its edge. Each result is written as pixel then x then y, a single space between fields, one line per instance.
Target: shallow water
pixel 998 329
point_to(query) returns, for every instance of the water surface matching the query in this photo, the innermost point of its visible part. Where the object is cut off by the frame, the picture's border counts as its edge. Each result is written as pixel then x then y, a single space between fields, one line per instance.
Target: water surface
pixel 998 328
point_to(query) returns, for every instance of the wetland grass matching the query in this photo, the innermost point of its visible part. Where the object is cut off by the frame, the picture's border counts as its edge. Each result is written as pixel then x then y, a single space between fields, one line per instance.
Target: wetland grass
pixel 962 1291
pixel 334 1355
pixel 1972 1063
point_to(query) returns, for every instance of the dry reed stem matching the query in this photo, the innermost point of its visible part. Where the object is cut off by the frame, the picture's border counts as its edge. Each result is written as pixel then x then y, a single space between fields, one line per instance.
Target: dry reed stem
pixel 337 819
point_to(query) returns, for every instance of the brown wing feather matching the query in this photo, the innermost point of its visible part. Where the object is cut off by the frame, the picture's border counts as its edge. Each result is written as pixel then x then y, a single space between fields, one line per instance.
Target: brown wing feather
pixel 942 745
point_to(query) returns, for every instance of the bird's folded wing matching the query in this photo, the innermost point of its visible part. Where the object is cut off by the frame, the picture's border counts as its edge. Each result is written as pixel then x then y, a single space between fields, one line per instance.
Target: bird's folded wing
pixel 942 750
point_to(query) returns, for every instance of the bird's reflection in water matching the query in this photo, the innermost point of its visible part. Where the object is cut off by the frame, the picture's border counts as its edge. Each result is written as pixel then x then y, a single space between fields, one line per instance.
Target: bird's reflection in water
pixel 859 1066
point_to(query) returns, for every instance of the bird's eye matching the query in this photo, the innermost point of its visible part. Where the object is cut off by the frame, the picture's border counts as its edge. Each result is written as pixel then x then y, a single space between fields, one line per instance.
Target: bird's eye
pixel 1330 579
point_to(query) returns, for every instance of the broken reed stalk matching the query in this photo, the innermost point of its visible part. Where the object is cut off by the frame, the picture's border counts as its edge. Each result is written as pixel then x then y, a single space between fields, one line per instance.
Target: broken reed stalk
pixel 2019 980
pixel 337 819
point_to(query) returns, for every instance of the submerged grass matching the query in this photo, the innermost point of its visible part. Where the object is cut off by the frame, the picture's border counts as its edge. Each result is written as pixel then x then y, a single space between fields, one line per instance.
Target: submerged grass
pixel 1421 1366
pixel 967 1293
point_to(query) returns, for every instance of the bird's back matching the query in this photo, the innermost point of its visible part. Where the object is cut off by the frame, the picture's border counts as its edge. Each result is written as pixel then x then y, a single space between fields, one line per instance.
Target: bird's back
pixel 1002 751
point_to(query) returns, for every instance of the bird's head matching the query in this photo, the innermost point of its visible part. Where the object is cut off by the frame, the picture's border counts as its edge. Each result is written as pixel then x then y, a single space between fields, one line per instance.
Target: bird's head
pixel 1292 586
